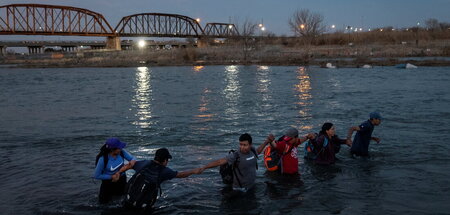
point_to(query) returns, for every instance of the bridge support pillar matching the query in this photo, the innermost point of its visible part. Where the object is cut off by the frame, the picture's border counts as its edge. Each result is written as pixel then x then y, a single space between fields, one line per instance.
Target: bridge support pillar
pixel 2 50
pixel 113 42
pixel 35 49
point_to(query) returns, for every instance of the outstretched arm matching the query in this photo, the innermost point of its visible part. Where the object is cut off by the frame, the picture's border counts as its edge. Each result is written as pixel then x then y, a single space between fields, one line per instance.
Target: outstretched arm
pixel 185 174
pixel 215 163
pixel 351 130
pixel 307 137
pixel 268 140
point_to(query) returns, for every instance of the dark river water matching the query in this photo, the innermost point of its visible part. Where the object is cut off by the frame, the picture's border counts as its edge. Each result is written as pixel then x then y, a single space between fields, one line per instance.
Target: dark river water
pixel 53 122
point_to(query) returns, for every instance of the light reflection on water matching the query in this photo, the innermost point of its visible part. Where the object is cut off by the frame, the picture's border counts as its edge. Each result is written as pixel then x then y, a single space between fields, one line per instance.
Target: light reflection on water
pixel 263 82
pixel 204 115
pixel 143 97
pixel 303 90
pixel 232 91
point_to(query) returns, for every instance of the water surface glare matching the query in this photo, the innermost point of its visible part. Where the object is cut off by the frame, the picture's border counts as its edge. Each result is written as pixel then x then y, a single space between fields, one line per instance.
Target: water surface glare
pixel 55 120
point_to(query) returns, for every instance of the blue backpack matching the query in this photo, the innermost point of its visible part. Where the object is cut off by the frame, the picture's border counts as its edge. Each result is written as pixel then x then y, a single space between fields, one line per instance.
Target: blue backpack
pixel 312 148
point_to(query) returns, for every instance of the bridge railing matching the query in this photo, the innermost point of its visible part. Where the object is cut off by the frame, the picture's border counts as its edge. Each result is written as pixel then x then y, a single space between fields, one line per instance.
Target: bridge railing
pixel 221 30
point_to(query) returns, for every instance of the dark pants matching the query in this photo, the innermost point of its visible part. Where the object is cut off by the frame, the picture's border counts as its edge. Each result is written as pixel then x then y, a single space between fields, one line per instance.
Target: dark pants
pixel 108 189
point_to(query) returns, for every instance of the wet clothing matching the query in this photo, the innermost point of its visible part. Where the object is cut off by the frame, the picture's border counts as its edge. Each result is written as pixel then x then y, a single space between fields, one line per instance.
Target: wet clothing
pixel 166 173
pixel 113 165
pixel 108 189
pixel 289 161
pixel 362 139
pixel 327 149
pixel 246 171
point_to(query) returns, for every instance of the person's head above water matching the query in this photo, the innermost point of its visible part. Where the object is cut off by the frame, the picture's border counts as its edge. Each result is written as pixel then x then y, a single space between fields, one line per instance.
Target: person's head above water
pixel 114 145
pixel 162 155
pixel 291 135
pixel 328 129
pixel 245 143
pixel 375 118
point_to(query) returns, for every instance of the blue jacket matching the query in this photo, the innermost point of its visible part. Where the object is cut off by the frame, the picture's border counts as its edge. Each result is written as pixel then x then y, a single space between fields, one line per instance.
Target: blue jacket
pixel 113 165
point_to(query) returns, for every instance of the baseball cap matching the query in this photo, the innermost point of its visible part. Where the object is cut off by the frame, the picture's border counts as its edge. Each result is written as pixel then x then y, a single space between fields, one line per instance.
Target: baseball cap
pixel 163 154
pixel 375 115
pixel 291 132
pixel 114 142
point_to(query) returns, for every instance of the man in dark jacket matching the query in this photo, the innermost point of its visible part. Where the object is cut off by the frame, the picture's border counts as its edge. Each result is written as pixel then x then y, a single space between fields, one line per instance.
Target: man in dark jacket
pixel 360 145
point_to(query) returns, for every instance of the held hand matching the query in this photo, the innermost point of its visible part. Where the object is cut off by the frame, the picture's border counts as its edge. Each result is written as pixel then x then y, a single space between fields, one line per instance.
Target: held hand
pixel 132 162
pixel 376 139
pixel 348 142
pixel 115 177
pixel 311 136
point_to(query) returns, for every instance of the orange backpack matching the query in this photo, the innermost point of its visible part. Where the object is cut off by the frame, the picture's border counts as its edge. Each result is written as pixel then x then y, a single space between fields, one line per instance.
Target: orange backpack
pixel 272 159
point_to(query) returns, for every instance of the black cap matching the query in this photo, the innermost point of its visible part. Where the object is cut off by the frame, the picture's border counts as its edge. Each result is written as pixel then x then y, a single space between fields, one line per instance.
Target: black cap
pixel 162 154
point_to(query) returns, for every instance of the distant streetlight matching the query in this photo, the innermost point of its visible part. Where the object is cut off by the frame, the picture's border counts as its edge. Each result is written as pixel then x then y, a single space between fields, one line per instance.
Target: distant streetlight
pixel 263 28
pixel 198 20
pixel 417 34
pixel 333 26
pixel 230 26
pixel 141 43
pixel 260 25
pixel 302 26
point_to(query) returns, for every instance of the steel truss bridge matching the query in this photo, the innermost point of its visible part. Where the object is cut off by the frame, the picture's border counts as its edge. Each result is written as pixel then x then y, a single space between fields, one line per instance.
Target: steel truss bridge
pixel 40 19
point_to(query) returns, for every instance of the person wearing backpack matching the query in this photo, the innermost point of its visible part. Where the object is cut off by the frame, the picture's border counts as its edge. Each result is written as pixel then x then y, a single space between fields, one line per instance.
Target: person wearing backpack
pixel 143 187
pixel 110 169
pixel 242 163
pixel 286 148
pixel 323 148
pixel 360 145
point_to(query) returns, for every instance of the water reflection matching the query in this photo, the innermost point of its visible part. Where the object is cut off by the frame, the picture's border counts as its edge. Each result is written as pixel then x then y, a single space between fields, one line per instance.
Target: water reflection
pixel 336 85
pixel 263 82
pixel 232 91
pixel 198 68
pixel 303 89
pixel 143 96
pixel 204 114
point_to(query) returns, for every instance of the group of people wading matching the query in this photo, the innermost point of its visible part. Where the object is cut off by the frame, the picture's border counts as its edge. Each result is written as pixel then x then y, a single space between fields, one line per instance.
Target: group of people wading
pixel 237 167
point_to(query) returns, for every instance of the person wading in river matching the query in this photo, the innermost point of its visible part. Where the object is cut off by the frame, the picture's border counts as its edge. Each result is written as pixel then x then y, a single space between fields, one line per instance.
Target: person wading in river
pixel 144 185
pixel 244 162
pixel 360 146
pixel 111 167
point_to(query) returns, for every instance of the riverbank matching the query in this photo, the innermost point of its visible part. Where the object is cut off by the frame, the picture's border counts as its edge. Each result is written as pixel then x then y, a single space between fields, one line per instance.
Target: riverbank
pixel 435 53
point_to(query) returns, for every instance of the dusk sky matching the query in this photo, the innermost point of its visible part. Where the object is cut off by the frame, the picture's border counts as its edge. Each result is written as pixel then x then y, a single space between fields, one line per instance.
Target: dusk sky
pixel 274 14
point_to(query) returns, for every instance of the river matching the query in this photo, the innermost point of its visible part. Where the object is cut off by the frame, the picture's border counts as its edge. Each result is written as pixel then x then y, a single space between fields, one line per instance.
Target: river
pixel 55 120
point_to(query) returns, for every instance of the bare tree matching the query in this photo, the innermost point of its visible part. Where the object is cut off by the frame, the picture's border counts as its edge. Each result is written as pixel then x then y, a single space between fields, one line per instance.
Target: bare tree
pixel 246 32
pixel 433 24
pixel 307 24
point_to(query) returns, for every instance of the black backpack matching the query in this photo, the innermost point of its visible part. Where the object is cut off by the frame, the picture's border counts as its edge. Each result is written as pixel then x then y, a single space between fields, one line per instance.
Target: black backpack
pixel 142 189
pixel 227 171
